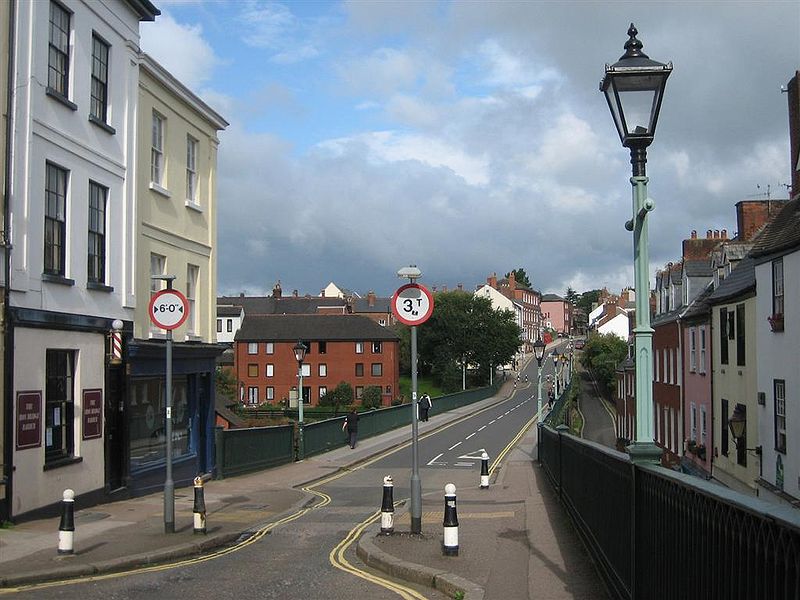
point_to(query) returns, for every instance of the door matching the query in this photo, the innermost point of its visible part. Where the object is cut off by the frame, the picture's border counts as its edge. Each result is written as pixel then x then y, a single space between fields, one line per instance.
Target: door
pixel 114 430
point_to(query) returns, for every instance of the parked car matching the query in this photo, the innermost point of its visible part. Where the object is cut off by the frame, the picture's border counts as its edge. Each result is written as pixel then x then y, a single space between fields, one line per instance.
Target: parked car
pixel 579 344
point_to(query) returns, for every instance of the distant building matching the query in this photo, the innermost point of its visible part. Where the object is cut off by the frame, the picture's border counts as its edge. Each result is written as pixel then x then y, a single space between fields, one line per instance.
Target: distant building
pixel 529 302
pixel 559 313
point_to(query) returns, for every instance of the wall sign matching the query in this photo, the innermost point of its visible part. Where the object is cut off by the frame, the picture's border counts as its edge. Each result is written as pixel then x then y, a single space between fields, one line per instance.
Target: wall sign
pixel 92 409
pixel 29 420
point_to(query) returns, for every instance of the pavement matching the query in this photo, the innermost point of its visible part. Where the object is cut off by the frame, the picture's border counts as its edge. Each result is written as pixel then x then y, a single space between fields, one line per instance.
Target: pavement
pixel 516 523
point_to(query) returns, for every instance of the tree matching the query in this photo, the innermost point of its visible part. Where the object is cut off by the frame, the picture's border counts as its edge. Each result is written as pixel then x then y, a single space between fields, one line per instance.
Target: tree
pixel 602 354
pixel 342 395
pixel 521 277
pixel 571 296
pixel 225 383
pixel 371 398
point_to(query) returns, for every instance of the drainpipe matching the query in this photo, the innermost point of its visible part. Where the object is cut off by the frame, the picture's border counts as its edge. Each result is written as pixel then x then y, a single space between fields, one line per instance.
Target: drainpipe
pixel 8 330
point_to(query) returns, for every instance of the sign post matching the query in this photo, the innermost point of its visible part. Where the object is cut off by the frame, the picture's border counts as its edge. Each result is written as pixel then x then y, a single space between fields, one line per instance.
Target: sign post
pixel 168 310
pixel 412 304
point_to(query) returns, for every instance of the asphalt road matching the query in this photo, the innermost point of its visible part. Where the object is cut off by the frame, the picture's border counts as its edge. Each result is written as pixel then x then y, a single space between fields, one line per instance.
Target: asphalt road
pixel 598 420
pixel 310 557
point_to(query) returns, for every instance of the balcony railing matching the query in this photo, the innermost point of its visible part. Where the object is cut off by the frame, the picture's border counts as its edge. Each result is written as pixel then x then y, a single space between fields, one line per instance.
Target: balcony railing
pixel 656 533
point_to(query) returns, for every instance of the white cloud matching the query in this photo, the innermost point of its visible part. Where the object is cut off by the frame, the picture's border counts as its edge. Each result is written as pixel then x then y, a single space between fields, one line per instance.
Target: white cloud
pixel 180 49
pixel 413 111
pixel 384 72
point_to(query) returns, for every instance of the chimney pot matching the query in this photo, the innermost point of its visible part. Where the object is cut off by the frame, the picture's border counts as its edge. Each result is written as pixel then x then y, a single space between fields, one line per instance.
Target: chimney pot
pixel 716 234
pixel 694 234
pixel 295 293
pixel 724 234
pixel 709 233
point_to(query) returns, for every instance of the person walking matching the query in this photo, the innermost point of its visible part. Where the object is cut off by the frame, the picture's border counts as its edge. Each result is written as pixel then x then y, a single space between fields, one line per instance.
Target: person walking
pixel 425 405
pixel 351 424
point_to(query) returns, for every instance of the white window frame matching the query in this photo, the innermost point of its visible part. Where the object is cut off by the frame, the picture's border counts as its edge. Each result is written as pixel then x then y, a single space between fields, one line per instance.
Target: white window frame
pixel 270 372
pixel 323 389
pixel 252 394
pixel 270 347
pixel 692 349
pixel 703 424
pixel 252 347
pixel 306 370
pixel 270 393
pixel 779 391
pixel 702 365
pixel 158 266
pixel 157 150
pixel 192 277
pixel 693 421
pixel 323 370
pixel 359 347
pixel 191 169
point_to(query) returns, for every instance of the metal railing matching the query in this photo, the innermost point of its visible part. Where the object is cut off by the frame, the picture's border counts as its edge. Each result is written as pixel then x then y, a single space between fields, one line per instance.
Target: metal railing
pixel 656 533
pixel 250 449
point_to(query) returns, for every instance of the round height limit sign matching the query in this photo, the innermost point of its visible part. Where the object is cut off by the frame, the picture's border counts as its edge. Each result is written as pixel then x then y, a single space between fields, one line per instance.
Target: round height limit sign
pixel 169 309
pixel 412 304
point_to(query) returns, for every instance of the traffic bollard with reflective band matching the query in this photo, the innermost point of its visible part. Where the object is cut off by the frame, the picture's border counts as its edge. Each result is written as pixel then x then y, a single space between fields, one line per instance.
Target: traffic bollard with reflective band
pixel 199 506
pixel 387 506
pixel 484 471
pixel 66 528
pixel 450 544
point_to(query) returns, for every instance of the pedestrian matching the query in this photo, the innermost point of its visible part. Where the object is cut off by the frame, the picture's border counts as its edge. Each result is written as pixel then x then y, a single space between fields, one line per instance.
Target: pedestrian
pixel 351 424
pixel 425 405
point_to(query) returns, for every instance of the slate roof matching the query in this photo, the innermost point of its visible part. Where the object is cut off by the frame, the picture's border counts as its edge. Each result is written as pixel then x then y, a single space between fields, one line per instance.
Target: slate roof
pixel 699 307
pixel 667 317
pixel 285 328
pixel 228 311
pixel 381 305
pixel 740 281
pixel 285 305
pixel 782 234
pixel 553 298
pixel 698 268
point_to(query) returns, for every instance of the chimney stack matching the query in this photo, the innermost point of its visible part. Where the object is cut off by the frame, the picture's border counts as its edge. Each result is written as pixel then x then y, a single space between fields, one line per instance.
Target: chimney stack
pixel 371 298
pixel 724 234
pixel 276 291
pixel 492 280
pixel 694 234
pixel 709 234
pixel 295 294
pixel 460 287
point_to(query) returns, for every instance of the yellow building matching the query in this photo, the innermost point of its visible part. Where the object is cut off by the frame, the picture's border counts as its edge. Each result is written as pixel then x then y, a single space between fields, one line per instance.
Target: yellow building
pixel 5 49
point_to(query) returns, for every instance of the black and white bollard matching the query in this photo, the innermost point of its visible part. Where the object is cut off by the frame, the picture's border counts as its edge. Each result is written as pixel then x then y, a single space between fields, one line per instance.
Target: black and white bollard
pixel 199 506
pixel 450 544
pixel 387 506
pixel 66 528
pixel 484 471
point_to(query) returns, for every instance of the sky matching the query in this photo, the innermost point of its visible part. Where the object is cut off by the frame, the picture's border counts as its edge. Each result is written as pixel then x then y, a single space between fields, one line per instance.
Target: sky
pixel 470 138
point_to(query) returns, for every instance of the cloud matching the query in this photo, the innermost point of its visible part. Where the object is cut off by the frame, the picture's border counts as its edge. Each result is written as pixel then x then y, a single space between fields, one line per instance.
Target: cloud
pixel 273 26
pixel 181 49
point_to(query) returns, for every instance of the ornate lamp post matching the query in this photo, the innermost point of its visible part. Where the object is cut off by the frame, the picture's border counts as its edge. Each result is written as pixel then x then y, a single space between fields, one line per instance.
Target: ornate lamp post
pixel 556 358
pixel 634 87
pixel 538 351
pixel 299 355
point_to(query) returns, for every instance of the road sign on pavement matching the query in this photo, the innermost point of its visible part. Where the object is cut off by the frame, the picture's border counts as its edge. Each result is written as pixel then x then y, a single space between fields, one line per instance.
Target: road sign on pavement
pixel 412 304
pixel 168 309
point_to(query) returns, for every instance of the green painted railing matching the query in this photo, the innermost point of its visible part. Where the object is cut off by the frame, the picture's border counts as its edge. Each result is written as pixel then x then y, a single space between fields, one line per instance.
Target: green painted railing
pixel 241 451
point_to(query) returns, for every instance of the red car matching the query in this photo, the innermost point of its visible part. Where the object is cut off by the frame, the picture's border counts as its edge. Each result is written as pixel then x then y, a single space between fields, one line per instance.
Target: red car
pixel 579 344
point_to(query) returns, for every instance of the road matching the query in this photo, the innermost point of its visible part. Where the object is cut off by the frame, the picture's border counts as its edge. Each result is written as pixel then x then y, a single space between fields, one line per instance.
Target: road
pixel 598 418
pixel 311 555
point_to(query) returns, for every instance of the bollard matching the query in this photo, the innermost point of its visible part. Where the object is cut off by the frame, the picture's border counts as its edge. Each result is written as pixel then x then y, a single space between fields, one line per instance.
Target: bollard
pixel 387 507
pixel 484 471
pixel 66 529
pixel 199 506
pixel 450 544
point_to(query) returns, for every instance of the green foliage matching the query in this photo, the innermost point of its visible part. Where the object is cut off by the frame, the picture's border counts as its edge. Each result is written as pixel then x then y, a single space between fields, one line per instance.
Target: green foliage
pixel 404 347
pixel 342 395
pixel 371 398
pixel 588 298
pixel 520 276
pixel 571 296
pixel 424 385
pixel 602 354
pixel 225 383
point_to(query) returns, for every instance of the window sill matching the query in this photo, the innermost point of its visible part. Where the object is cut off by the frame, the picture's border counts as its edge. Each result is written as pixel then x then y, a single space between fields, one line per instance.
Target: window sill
pixel 59 279
pixel 194 206
pixel 160 190
pixel 58 97
pixel 99 287
pixel 102 125
pixel 62 462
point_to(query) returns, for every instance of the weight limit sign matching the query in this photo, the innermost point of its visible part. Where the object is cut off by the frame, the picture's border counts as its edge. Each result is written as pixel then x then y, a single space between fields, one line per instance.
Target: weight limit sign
pixel 412 304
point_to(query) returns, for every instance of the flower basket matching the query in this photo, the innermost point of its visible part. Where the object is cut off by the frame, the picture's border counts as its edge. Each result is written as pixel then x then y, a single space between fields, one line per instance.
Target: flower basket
pixel 776 322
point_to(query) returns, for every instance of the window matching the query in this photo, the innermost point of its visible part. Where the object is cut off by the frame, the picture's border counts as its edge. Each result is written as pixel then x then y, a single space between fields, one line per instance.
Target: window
pixel 59 405
pixel 55 220
pixel 777 287
pixel 58 54
pixel 148 444
pixel 359 392
pixel 157 150
pixel 270 347
pixel 219 325
pixel 322 391
pixel 703 424
pixel 306 370
pixel 192 275
pixel 252 395
pixel 97 233
pixel 323 347
pixel 702 349
pixel 191 169
pixel 724 431
pixel 723 336
pixel 157 265
pixel 740 338
pixel 270 370
pixel 655 367
pixel 658 423
pixel 359 369
pixel 252 347
pixel 668 357
pixel 377 369
pixel 377 347
pixel 270 393
pixel 323 370
pixel 692 349
pixel 693 416
pixel 230 325
pixel 252 370
pixel 359 347
pixel 741 446
pixel 779 391
pixel 98 107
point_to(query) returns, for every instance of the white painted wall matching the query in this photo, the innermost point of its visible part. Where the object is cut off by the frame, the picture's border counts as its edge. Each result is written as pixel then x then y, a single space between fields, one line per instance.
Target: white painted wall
pixel 618 326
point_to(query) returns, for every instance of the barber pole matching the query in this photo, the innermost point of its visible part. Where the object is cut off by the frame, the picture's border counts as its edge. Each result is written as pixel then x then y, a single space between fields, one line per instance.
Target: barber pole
pixel 66 528
pixel 450 544
pixel 387 507
pixel 484 471
pixel 199 506
pixel 116 342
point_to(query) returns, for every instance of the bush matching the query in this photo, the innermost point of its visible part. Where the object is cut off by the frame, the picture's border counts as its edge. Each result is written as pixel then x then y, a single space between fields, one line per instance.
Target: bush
pixel 601 355
pixel 342 395
pixel 371 398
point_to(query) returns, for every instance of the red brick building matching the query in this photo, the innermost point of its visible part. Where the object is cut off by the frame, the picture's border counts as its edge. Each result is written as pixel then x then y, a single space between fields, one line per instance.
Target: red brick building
pixel 347 348
pixel 530 302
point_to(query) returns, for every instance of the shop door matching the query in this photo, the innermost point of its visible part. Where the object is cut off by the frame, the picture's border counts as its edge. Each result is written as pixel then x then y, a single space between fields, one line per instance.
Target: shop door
pixel 114 431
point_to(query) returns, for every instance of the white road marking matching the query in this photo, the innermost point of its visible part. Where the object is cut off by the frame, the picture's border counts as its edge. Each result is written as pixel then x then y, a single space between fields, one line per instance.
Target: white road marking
pixel 492 421
pixel 470 435
pixel 498 418
pixel 434 459
pixel 481 428
pixel 454 445
pixel 463 464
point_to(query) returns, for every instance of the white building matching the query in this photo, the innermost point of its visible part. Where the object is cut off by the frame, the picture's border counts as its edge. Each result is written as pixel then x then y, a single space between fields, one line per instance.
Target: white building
pixel 75 82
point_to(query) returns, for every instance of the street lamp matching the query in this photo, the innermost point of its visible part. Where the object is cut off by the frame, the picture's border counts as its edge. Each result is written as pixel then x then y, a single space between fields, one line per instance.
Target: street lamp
pixel 737 423
pixel 538 352
pixel 299 355
pixel 634 88
pixel 556 357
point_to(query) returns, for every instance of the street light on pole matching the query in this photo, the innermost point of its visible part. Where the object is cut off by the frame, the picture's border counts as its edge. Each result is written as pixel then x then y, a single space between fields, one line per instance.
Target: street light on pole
pixel 299 355
pixel 556 357
pixel 634 88
pixel 538 352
